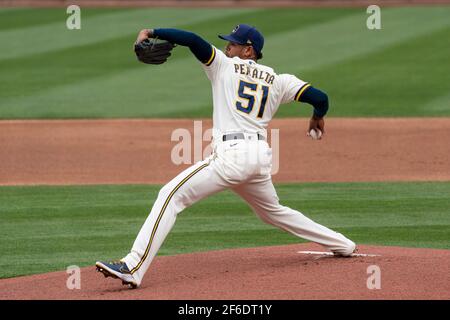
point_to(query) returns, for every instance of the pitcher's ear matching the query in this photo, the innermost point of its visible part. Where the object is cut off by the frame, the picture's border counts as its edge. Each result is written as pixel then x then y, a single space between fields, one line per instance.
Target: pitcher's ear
pixel 248 51
pixel 253 53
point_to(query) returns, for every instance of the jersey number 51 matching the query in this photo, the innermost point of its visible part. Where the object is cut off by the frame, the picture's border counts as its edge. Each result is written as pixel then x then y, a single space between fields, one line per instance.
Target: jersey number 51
pixel 250 97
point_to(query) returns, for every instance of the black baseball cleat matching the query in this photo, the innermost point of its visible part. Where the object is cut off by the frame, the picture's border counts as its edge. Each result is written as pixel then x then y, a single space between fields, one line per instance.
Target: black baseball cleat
pixel 117 270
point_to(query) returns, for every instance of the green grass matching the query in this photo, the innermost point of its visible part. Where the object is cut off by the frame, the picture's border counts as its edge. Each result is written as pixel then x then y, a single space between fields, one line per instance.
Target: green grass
pixel 400 70
pixel 47 228
pixel 17 18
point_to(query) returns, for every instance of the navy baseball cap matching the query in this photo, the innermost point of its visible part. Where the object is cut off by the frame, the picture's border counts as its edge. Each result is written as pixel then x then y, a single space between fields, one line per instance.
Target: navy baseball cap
pixel 245 34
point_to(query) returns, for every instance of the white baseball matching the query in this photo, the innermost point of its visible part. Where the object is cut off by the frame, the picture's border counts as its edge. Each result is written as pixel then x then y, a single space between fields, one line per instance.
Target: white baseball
pixel 315 135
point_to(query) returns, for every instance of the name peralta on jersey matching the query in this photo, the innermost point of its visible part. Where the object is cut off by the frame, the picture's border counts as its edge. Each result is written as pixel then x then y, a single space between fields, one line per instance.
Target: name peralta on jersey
pixel 246 95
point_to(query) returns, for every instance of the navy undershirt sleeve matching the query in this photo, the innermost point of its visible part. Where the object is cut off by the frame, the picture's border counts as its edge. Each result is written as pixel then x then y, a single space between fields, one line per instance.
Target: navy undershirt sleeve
pixel 317 98
pixel 201 49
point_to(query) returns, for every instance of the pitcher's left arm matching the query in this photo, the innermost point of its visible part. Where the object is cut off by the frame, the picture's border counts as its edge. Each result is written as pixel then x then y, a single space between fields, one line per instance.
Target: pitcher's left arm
pixel 201 49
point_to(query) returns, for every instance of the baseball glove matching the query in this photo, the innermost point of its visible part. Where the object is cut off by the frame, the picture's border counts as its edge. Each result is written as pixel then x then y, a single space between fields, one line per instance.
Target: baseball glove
pixel 153 51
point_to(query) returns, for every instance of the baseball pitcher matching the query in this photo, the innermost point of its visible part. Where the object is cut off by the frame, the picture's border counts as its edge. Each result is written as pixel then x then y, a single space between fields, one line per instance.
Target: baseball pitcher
pixel 246 96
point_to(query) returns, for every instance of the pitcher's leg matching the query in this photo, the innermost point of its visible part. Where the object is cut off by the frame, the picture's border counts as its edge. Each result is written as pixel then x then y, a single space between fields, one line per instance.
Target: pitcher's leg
pixel 263 199
pixel 193 184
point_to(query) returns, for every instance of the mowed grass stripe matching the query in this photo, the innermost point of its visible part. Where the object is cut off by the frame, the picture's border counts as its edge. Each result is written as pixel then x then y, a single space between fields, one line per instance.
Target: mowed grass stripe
pixel 53 227
pixel 35 17
pixel 346 38
pixel 69 67
pixel 410 78
pixel 73 64
pixel 438 105
pixel 97 86
pixel 422 236
pixel 77 82
pixel 96 29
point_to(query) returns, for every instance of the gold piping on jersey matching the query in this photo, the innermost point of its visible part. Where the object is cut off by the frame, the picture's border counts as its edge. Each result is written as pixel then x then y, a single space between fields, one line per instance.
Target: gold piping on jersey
pixel 161 213
pixel 213 55
pixel 301 90
pixel 261 104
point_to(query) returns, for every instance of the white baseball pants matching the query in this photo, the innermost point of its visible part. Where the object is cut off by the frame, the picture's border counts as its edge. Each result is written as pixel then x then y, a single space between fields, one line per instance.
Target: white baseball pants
pixel 244 167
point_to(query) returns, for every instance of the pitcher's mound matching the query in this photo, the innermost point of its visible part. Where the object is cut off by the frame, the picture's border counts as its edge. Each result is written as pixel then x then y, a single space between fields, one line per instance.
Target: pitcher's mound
pixel 278 272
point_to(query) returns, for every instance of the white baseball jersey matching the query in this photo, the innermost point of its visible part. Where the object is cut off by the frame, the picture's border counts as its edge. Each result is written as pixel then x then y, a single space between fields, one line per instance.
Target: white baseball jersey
pixel 246 95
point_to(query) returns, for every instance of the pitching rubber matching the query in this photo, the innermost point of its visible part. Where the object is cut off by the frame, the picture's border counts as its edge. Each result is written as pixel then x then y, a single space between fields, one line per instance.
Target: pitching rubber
pixel 320 253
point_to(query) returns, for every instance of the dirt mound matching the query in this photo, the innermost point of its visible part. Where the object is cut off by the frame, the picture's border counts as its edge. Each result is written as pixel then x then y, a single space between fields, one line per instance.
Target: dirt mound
pixel 277 272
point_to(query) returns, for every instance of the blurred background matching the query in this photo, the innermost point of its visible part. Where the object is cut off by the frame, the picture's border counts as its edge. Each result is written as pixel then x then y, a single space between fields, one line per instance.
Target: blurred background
pixel 49 71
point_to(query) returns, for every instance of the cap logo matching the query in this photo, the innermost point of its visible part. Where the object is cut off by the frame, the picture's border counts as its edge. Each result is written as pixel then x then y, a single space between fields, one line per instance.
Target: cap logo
pixel 235 29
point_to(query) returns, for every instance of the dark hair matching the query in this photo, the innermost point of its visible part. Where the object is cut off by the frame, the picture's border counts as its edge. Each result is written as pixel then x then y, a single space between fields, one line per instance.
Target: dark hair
pixel 259 55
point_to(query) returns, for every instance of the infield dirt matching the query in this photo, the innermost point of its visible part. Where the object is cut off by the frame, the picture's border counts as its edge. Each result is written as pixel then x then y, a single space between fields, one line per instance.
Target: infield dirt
pixel 138 151
pixel 67 152
pixel 259 273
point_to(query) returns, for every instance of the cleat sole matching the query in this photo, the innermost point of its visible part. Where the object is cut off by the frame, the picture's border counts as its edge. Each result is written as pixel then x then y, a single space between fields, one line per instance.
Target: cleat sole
pixel 107 274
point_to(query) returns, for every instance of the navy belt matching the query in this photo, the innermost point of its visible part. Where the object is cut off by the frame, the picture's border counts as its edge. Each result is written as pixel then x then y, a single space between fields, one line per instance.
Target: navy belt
pixel 239 135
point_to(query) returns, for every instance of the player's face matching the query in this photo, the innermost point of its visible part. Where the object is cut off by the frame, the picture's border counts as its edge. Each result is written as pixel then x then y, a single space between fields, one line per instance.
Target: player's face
pixel 234 50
